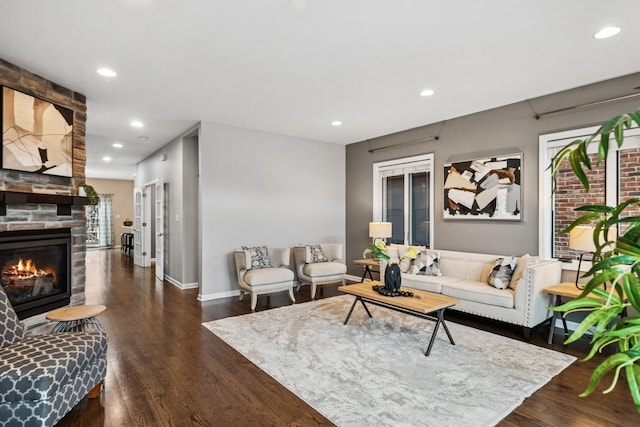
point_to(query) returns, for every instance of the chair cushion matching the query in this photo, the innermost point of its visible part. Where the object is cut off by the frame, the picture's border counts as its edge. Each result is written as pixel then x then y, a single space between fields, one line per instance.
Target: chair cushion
pixel 321 269
pixel 267 276
pixel 11 329
pixel 34 368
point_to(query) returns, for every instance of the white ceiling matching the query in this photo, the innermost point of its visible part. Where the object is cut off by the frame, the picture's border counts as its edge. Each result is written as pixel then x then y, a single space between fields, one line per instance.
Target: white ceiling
pixel 293 66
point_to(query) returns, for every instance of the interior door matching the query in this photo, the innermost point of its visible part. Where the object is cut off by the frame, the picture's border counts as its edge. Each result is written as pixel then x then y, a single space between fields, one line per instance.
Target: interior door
pixel 137 226
pixel 160 214
pixel 141 256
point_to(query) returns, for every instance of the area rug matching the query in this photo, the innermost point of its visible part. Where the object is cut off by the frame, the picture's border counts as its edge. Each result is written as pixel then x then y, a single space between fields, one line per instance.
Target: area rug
pixel 374 371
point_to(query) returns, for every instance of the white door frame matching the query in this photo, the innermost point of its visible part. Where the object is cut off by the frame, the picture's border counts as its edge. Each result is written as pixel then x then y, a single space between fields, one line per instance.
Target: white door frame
pixel 160 229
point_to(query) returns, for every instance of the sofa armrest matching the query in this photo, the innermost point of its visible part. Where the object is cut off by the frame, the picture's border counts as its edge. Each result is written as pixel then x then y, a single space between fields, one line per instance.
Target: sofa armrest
pixel 529 297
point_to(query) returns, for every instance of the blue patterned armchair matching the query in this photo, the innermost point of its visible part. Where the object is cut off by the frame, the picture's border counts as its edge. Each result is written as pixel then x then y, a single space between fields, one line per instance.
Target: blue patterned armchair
pixel 43 376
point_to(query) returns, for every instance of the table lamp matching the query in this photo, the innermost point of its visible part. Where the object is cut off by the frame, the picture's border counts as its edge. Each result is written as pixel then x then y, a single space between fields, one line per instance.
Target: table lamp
pixel 379 230
pixel 581 239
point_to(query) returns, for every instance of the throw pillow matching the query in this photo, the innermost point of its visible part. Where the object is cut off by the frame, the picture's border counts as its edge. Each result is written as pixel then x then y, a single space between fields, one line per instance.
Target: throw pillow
pixel 501 273
pixel 521 265
pixel 315 254
pixel 259 256
pixel 405 264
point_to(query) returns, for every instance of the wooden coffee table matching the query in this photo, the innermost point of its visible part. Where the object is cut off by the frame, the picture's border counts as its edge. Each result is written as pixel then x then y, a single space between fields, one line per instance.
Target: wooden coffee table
pixel 422 305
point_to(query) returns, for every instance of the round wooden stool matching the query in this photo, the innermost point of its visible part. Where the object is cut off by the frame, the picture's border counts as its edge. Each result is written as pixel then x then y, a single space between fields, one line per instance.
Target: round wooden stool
pixel 77 318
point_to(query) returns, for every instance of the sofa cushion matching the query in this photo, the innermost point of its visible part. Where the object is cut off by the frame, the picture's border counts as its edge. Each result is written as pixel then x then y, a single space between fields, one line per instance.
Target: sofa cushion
pixel 427 283
pixel 34 368
pixel 479 292
pixel 259 256
pixel 262 276
pixel 324 269
pixel 501 272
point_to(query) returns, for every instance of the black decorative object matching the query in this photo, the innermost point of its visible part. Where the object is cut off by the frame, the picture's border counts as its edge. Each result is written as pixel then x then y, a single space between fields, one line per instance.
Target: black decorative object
pixel 387 293
pixel 392 279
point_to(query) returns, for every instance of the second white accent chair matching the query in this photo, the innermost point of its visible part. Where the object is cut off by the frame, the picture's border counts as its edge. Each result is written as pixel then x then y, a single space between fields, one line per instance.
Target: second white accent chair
pixel 319 264
pixel 263 270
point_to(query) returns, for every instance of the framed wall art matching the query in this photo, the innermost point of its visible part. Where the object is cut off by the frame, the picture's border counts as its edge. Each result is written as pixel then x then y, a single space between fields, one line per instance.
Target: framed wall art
pixel 484 189
pixel 37 135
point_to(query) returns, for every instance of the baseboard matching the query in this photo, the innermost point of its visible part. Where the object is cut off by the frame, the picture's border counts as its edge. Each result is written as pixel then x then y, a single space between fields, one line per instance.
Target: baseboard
pixel 179 285
pixel 218 295
pixel 355 278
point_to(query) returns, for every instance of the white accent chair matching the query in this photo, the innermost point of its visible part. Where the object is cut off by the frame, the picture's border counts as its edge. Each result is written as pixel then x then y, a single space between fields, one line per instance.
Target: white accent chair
pixel 319 273
pixel 259 281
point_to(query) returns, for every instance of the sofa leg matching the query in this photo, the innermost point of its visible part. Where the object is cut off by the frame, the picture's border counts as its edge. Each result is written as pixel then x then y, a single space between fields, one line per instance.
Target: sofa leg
pixel 95 392
pixel 526 332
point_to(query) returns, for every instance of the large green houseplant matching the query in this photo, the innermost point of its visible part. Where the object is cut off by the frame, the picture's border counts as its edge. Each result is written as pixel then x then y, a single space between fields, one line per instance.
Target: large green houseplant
pixel 616 264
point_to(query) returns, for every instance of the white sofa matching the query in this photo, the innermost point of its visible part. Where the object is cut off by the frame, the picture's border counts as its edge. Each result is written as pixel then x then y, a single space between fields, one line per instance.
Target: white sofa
pixel 464 276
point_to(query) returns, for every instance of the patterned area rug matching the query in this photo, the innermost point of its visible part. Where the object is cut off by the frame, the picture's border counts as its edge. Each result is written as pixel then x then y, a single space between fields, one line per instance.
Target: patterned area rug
pixel 374 372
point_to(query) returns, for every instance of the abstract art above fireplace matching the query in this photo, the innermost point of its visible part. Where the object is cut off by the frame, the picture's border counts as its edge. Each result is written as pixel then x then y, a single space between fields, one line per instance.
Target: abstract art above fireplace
pixel 37 136
pixel 36 269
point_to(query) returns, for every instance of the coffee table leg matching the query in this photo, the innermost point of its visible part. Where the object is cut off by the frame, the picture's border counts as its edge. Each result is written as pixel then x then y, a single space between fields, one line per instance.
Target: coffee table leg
pixel 355 301
pixel 435 331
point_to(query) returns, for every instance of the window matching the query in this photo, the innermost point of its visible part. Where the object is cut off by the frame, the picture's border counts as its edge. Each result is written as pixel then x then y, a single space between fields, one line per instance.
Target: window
pixel 611 183
pixel 403 196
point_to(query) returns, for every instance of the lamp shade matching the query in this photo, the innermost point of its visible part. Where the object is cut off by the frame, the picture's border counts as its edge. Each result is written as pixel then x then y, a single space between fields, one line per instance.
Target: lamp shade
pixel 581 238
pixel 380 229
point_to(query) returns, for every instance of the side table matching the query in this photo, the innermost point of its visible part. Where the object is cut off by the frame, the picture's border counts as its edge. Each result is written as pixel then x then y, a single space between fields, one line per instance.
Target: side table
pixel 77 318
pixel 368 264
pixel 566 290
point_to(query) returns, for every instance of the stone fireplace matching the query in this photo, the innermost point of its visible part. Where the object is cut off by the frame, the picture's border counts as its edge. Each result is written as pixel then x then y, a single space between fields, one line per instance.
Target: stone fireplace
pixel 33 204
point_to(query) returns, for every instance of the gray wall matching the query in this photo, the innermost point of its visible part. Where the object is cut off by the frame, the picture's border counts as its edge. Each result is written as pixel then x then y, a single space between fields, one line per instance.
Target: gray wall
pixel 181 205
pixel 259 188
pixel 509 128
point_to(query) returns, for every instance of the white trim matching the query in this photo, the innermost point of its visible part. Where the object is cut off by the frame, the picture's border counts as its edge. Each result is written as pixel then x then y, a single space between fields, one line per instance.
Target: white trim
pixel 353 278
pixel 218 295
pixel 179 285
pixel 424 163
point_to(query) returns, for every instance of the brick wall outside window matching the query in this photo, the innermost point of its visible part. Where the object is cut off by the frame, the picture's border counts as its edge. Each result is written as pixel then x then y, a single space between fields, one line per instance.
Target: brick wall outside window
pixel 629 178
pixel 569 195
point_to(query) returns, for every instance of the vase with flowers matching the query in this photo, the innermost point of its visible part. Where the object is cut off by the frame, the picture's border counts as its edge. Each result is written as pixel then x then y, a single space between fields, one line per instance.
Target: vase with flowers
pixel 392 279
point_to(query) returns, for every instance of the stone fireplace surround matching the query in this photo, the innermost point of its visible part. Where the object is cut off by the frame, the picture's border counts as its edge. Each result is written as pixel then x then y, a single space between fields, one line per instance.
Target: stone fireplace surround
pixel 24 210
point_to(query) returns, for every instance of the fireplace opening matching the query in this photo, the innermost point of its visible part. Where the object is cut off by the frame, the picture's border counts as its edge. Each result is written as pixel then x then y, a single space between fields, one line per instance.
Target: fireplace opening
pixel 36 269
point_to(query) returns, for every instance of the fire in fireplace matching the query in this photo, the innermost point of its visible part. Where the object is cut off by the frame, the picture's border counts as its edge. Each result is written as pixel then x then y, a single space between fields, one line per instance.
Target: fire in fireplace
pixel 36 269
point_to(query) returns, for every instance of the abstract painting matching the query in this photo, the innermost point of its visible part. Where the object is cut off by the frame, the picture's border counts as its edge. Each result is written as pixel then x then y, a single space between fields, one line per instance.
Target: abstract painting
pixel 37 136
pixel 486 188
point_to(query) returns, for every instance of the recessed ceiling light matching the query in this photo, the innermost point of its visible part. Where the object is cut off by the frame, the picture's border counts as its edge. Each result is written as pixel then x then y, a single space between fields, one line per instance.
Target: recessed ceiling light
pixel 336 123
pixel 117 145
pixel 607 32
pixel 137 124
pixel 106 158
pixel 106 72
pixel 427 92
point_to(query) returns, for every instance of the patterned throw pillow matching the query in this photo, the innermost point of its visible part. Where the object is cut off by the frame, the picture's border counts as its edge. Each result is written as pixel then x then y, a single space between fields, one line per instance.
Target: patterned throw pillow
pixel 316 254
pixel 501 272
pixel 259 256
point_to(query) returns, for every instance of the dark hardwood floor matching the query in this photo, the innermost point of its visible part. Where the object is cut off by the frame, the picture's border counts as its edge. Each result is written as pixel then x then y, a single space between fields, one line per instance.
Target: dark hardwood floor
pixel 165 369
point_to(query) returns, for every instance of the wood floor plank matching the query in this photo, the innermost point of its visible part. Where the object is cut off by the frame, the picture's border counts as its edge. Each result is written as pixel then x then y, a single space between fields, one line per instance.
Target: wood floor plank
pixel 165 369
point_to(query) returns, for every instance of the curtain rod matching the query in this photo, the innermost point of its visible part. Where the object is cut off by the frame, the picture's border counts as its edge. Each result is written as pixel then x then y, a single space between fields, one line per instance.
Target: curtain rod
pixel 415 141
pixel 589 104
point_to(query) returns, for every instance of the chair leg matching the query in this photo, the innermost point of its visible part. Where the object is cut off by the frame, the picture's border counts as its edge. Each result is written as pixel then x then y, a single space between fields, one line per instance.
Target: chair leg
pixel 254 301
pixel 313 290
pixel 293 299
pixel 241 295
pixel 95 392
